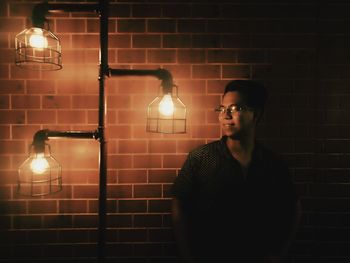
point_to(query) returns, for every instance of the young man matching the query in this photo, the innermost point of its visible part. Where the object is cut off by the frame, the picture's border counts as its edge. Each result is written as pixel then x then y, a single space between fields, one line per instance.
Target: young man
pixel 233 199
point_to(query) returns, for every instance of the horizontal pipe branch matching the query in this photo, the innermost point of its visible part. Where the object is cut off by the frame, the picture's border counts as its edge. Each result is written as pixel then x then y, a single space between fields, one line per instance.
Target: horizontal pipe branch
pixel 43 135
pixel 162 74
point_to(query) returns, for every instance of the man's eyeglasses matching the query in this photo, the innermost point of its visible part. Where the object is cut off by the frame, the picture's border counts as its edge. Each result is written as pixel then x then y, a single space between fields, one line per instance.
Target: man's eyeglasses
pixel 232 109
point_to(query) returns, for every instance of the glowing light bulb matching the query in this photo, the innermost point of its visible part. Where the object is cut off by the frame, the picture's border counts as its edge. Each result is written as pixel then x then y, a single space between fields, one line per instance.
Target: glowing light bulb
pixel 37 40
pixel 39 164
pixel 166 105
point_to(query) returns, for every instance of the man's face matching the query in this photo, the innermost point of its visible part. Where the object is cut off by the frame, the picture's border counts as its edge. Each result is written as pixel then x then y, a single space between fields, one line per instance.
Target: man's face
pixel 238 123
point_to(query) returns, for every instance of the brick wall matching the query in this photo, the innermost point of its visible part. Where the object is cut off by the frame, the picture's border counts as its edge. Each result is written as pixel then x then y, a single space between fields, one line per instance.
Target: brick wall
pixel 299 49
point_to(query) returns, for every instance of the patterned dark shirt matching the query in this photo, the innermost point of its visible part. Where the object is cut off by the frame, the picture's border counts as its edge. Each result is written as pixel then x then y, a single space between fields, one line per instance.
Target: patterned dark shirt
pixel 232 216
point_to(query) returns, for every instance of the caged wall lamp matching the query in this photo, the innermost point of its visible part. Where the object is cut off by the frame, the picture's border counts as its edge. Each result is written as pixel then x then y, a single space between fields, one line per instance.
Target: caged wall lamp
pixel 39 49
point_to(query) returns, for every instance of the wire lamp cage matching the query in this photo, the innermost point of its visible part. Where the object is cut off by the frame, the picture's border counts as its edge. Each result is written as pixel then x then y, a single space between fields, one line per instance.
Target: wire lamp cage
pixel 166 113
pixel 40 174
pixel 38 49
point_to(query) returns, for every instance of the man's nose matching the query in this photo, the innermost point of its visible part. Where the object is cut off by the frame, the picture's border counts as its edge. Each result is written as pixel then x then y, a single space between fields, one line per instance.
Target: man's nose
pixel 228 115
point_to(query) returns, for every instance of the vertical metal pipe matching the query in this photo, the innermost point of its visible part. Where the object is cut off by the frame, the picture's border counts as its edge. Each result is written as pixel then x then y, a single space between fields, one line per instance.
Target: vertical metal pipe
pixel 103 5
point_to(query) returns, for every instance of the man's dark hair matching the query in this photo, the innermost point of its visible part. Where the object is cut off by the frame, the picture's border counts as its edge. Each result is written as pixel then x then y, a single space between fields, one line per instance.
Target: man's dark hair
pixel 254 94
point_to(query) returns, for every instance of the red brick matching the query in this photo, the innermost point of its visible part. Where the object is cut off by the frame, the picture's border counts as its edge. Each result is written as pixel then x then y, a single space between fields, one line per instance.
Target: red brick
pixel 182 71
pixel 56 102
pixel 131 25
pixel 216 86
pixel 118 132
pixel 72 206
pixel 251 56
pixel 119 10
pixel 4 72
pixel 11 24
pixel 85 102
pixel 147 191
pixel 205 131
pixel 132 206
pixel 205 102
pixel 133 235
pixel 119 161
pixel 21 9
pixel 132 116
pixel 142 101
pixel 206 41
pixel 72 236
pixel 118 102
pixel 177 41
pixel 70 25
pixel 148 220
pixel 206 72
pixel 191 26
pixel 152 10
pixel 147 161
pixel 5 132
pixel 41 116
pixel 235 41
pixel 187 86
pixel 184 146
pixel 12 147
pixel 212 117
pixel 12 87
pixel 173 161
pixel 161 25
pixel 7 56
pixel 161 176
pixel 132 146
pixel 132 176
pixel 161 56
pixel 177 10
pixel 222 56
pixel 13 207
pixel 5 163
pixel 159 206
pixel 40 86
pixel 19 73
pixel 131 56
pixel 77 86
pixel 42 207
pixel 236 72
pixel 85 191
pixel 85 221
pixel 4 102
pixel 119 191
pixel 162 146
pixel 12 117
pixel 5 193
pixel 25 102
pixel 24 131
pixel 119 41
pixel 146 41
pixel 191 56
pixel 85 41
pixel 27 222
pixel 4 40
pixel 71 116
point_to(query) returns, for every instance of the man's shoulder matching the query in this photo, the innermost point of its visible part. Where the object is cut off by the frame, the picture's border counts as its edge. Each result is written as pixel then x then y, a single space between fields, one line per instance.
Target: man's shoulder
pixel 207 148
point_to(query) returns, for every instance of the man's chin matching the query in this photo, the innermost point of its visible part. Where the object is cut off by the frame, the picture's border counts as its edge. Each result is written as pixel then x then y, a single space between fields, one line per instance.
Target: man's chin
pixel 233 135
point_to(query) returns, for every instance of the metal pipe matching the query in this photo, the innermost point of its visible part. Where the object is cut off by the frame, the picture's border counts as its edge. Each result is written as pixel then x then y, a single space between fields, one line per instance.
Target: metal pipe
pixel 41 136
pixel 102 199
pixel 162 74
pixel 41 10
